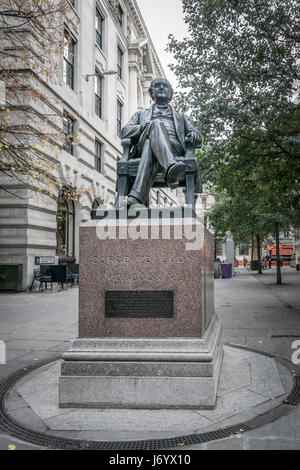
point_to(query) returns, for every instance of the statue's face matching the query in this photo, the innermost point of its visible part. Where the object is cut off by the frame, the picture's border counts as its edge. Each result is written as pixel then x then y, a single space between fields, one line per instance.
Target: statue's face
pixel 161 91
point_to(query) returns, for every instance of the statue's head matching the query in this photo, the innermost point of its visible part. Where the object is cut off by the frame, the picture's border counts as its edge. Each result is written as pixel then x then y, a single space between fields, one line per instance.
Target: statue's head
pixel 161 90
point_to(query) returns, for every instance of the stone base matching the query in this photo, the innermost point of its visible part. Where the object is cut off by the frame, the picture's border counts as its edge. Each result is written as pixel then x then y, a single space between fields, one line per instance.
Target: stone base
pixel 143 372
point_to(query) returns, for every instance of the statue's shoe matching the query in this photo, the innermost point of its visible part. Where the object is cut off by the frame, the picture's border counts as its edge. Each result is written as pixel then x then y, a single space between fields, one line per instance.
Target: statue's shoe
pixel 175 174
pixel 131 201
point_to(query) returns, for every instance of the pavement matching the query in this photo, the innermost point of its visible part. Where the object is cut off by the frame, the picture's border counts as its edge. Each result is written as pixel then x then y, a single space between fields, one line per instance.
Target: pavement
pixel 254 311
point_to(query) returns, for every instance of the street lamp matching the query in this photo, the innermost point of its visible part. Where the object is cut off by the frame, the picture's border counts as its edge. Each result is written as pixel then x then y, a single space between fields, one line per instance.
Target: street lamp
pixel 108 72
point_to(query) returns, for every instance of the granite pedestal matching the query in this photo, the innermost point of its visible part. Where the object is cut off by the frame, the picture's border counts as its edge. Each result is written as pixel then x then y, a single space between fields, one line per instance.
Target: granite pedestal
pixel 148 336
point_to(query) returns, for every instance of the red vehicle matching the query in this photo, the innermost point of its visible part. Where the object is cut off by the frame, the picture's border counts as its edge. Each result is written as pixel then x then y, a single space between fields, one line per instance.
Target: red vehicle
pixel 285 252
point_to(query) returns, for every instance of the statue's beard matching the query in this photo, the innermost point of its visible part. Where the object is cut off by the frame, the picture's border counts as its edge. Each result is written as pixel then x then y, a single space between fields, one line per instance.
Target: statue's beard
pixel 162 99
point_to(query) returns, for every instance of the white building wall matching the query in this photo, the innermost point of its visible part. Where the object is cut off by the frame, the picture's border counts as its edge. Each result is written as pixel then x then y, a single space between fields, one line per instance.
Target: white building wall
pixel 28 223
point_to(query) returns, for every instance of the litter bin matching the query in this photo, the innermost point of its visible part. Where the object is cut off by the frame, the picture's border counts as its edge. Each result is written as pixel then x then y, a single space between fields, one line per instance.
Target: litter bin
pixel 254 265
pixel 226 270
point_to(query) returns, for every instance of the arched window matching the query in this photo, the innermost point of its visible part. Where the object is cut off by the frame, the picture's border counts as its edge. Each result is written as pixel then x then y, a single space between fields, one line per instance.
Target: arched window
pixel 96 204
pixel 65 227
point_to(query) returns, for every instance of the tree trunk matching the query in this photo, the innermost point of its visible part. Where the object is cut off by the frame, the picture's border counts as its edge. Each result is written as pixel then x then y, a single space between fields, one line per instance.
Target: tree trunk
pixel 278 261
pixel 252 248
pixel 258 253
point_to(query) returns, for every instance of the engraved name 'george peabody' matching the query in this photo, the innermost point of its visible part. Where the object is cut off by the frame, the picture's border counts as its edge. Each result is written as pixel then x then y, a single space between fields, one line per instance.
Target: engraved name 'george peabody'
pixel 117 260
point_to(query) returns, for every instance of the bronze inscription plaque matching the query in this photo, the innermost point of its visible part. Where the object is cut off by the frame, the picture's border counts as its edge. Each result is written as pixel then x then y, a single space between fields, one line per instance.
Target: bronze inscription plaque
pixel 139 304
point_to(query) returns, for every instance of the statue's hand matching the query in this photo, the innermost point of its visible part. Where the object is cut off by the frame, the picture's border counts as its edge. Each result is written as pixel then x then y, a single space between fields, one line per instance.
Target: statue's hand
pixel 192 137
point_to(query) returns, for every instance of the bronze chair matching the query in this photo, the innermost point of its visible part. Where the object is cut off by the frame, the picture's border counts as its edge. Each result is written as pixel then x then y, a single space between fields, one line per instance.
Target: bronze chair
pixel 127 169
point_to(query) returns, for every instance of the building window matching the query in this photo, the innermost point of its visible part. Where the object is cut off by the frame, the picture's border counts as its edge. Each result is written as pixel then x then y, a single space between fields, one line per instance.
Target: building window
pixel 120 14
pixel 65 227
pixel 119 117
pixel 158 198
pixel 98 95
pixel 99 28
pixel 244 249
pixel 120 62
pixel 219 248
pixel 98 149
pixel 68 127
pixel 69 54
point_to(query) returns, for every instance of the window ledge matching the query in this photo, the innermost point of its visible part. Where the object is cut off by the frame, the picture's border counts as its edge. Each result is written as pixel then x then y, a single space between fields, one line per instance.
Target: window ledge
pixel 101 51
pixel 64 84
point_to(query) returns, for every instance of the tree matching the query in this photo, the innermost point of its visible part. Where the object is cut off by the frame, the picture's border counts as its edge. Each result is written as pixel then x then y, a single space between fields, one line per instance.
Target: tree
pixel 240 65
pixel 247 218
pixel 254 203
pixel 31 48
pixel 239 71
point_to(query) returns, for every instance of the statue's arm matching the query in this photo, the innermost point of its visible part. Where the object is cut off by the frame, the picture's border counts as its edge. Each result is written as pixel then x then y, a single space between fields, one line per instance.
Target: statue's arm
pixel 192 133
pixel 133 129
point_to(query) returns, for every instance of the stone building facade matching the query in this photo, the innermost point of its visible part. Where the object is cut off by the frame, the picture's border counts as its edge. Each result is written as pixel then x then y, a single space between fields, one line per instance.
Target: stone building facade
pixel 108 63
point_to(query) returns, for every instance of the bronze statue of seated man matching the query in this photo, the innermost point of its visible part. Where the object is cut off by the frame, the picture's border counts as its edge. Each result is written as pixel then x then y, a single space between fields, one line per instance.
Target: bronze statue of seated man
pixel 159 135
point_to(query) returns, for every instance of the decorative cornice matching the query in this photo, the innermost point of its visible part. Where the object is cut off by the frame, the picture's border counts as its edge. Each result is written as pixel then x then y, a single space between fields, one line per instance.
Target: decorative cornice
pixel 138 43
pixel 144 33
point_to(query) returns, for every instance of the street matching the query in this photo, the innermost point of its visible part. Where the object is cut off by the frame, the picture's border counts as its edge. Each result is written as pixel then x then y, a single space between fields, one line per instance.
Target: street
pixel 254 311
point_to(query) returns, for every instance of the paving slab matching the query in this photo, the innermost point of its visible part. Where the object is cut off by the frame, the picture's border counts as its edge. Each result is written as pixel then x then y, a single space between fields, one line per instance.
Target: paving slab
pixel 233 443
pixel 289 427
pixel 31 345
pixel 35 356
pixel 13 354
pixel 109 436
pixel 15 402
pixel 272 444
pixel 233 403
pixel 264 377
pixel 28 416
pixel 136 422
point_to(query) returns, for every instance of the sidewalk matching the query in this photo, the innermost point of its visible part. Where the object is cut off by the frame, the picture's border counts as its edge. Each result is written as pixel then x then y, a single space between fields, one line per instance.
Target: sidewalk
pixel 252 308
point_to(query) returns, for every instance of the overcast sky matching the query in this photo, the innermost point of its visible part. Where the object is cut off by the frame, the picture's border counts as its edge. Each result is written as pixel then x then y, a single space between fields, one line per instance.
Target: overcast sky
pixel 164 17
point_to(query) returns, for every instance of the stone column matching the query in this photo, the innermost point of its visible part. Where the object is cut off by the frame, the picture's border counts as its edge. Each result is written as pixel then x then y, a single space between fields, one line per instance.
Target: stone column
pixel 132 88
pixel 135 54
pixel 147 79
